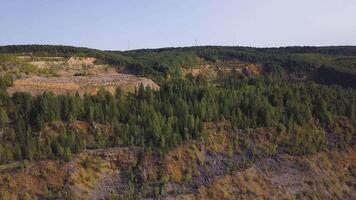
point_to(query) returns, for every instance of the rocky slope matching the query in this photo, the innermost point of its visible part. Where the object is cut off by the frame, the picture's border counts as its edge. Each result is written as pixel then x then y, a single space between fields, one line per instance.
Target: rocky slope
pixel 81 84
pixel 71 75
pixel 209 169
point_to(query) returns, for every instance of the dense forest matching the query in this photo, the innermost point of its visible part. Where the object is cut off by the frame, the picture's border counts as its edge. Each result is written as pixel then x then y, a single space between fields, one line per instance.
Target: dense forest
pixel 176 113
pixel 217 112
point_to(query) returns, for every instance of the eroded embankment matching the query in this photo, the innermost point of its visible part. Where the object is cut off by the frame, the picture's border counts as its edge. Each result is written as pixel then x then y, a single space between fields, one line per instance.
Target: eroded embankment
pixel 228 164
pixel 81 84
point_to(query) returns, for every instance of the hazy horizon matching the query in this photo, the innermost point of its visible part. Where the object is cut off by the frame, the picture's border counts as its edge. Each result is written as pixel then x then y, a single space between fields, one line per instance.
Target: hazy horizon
pixel 122 25
pixel 169 47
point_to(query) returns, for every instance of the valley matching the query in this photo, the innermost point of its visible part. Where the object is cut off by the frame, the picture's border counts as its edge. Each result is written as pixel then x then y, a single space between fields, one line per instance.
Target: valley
pixel 190 123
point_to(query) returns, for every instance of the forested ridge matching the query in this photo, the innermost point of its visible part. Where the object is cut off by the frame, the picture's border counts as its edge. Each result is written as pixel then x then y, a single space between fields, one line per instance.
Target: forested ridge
pixel 168 61
pixel 271 120
pixel 176 113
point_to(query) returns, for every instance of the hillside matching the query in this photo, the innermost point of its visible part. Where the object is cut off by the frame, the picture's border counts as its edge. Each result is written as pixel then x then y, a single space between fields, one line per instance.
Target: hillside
pixel 318 63
pixel 216 168
pixel 177 123
pixel 61 75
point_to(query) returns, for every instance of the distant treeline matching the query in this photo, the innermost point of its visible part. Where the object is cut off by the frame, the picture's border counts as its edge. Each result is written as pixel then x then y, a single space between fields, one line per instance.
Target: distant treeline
pixel 158 63
pixel 291 60
pixel 64 51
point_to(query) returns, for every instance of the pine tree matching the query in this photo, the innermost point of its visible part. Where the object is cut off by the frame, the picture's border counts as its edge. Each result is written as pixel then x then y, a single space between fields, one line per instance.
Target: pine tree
pixel 4 119
pixel 67 154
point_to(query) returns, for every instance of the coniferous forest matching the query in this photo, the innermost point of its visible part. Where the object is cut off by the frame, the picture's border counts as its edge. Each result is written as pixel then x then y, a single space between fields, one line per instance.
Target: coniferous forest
pixel 173 115
pixel 218 112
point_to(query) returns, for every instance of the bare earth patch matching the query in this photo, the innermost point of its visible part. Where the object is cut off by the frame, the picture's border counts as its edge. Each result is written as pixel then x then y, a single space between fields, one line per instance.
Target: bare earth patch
pixel 81 84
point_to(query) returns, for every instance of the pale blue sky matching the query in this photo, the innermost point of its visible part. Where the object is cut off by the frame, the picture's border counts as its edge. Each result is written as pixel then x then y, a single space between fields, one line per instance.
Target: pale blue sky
pixel 111 24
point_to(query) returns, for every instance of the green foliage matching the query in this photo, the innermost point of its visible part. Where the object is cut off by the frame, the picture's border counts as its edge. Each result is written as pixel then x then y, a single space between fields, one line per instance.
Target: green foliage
pixel 176 113
pixel 166 62
pixel 305 140
pixel 67 154
pixel 5 81
pixel 327 65
pixel 4 119
pixel 163 62
pixel 115 59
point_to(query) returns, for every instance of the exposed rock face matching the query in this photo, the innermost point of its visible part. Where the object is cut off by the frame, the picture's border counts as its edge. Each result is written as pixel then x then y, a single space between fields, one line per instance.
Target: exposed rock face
pixel 81 61
pixel 212 71
pixel 324 175
pixel 81 84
